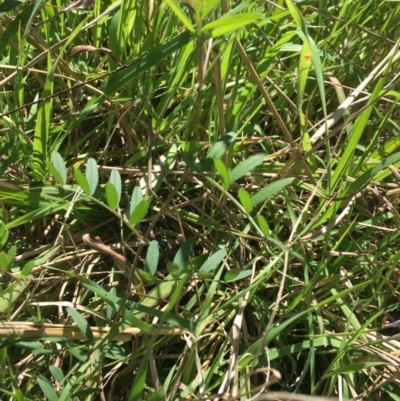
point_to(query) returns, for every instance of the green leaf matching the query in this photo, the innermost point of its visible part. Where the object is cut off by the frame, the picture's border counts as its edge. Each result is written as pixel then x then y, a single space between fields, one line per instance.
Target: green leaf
pixel 236 274
pixel 356 367
pixel 92 175
pixel 3 234
pixel 180 14
pixel 43 123
pixel 3 260
pixel 53 171
pixel 78 353
pixel 139 213
pixel 190 156
pixel 47 389
pixel 245 200
pixel 263 225
pixel 231 23
pixel 11 255
pixel 204 7
pixel 297 16
pixel 9 5
pixel 115 179
pixel 152 256
pixel 246 166
pixel 137 197
pixel 59 165
pixel 270 190
pixel 57 373
pixel 82 181
pixel 144 64
pixel 182 256
pixel 82 323
pixel 111 195
pixel 223 172
pixel 219 149
pixel 212 262
pixel 87 392
pixel 173 269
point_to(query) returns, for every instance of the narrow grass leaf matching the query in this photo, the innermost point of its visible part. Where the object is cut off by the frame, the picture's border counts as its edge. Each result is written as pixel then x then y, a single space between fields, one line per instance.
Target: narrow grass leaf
pixel 111 195
pixel 42 129
pixel 139 213
pixel 152 255
pixel 296 16
pixel 246 166
pixel 358 129
pixel 82 323
pixel 182 256
pixel 59 165
pixel 204 7
pixel 115 179
pixel 245 200
pixel 236 274
pixel 47 388
pixel 174 6
pixel 213 262
pixel 92 175
pixel 82 181
pixel 223 172
pixel 145 63
pixel 19 20
pixel 356 367
pixel 219 149
pixel 270 190
pixel 88 392
pixel 304 68
pixel 231 23
pixel 9 5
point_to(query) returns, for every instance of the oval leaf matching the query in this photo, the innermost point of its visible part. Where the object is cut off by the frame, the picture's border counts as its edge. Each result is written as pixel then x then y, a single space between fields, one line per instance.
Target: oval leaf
pixel 82 323
pixel 271 190
pixel 153 253
pixel 82 181
pixel 182 256
pixel 245 200
pixel 54 172
pixel 115 179
pixel 245 167
pixel 223 172
pixel 236 274
pixel 59 165
pixel 47 389
pixel 213 261
pixel 92 175
pixel 57 373
pixel 262 223
pixel 111 195
pixel 136 198
pixel 173 269
pixel 139 213
pixel 219 149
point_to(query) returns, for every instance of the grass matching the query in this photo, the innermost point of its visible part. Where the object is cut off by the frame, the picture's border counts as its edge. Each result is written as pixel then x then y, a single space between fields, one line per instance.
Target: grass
pixel 199 200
